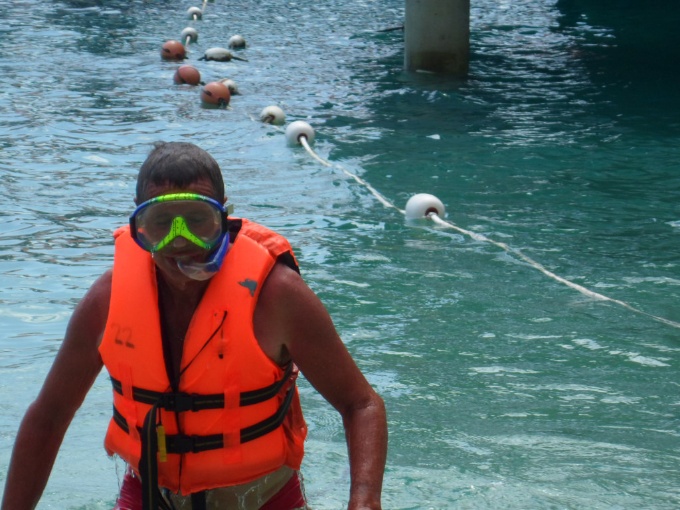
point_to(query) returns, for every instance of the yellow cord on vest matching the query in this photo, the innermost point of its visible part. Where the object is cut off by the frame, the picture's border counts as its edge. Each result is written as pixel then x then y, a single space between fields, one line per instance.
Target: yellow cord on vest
pixel 162 449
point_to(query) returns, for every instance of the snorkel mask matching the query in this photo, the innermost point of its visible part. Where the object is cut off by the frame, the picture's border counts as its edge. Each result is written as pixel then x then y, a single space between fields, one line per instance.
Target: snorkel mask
pixel 157 223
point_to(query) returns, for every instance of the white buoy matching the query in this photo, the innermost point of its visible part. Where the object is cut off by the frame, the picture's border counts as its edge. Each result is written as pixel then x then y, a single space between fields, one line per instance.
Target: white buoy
pixel 194 13
pixel 297 130
pixel 237 42
pixel 231 85
pixel 189 34
pixel 421 205
pixel 220 55
pixel 273 115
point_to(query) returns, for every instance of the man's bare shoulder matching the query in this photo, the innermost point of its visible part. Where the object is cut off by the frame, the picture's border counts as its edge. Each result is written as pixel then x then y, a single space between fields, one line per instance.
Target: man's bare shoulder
pixel 286 298
pixel 277 302
pixel 89 317
pixel 283 279
pixel 101 287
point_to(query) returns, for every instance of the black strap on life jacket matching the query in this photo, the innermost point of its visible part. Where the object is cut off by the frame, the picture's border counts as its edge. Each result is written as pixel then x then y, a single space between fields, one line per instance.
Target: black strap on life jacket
pixel 183 443
pixel 180 402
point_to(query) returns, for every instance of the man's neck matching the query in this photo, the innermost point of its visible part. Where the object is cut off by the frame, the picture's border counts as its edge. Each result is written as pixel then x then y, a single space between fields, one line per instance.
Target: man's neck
pixel 181 294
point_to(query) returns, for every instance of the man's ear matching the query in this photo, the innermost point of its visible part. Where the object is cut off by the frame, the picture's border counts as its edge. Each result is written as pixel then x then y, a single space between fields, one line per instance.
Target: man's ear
pixel 135 201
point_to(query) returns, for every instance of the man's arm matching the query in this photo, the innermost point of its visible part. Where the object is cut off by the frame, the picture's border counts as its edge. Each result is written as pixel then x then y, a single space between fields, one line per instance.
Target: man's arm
pixel 73 372
pixel 289 311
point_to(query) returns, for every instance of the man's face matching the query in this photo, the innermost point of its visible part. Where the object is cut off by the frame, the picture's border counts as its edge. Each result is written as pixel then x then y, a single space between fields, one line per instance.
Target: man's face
pixel 180 248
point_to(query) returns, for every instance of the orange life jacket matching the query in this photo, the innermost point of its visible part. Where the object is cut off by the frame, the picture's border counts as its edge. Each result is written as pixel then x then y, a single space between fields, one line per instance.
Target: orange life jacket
pixel 236 414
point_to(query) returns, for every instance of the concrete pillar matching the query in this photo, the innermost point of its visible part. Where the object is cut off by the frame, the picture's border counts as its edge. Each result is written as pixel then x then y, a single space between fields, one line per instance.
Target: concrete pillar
pixel 437 36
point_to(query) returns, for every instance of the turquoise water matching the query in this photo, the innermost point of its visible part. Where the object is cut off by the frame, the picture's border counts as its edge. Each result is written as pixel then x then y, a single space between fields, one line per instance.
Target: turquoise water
pixel 505 387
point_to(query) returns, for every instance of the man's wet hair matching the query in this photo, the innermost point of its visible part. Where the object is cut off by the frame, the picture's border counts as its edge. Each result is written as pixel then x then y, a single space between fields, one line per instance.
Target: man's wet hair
pixel 178 164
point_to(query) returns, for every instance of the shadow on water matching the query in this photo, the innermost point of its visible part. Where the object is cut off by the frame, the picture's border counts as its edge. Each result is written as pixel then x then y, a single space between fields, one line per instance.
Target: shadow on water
pixel 557 76
pixel 630 49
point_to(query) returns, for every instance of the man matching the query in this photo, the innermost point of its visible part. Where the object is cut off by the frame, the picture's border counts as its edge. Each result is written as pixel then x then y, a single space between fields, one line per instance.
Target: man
pixel 202 324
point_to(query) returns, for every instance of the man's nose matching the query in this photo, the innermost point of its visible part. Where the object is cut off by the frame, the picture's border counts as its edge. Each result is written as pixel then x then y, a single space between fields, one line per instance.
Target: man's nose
pixel 179 242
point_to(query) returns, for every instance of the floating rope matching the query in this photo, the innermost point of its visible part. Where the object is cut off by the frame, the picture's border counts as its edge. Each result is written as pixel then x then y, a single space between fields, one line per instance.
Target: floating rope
pixel 302 139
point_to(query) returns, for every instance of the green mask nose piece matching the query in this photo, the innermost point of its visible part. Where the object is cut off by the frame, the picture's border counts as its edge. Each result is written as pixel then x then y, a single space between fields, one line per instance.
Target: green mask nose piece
pixel 179 228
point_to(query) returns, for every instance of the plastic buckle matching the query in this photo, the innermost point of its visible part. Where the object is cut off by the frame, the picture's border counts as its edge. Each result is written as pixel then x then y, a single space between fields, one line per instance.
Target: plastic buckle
pixel 182 444
pixel 178 402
